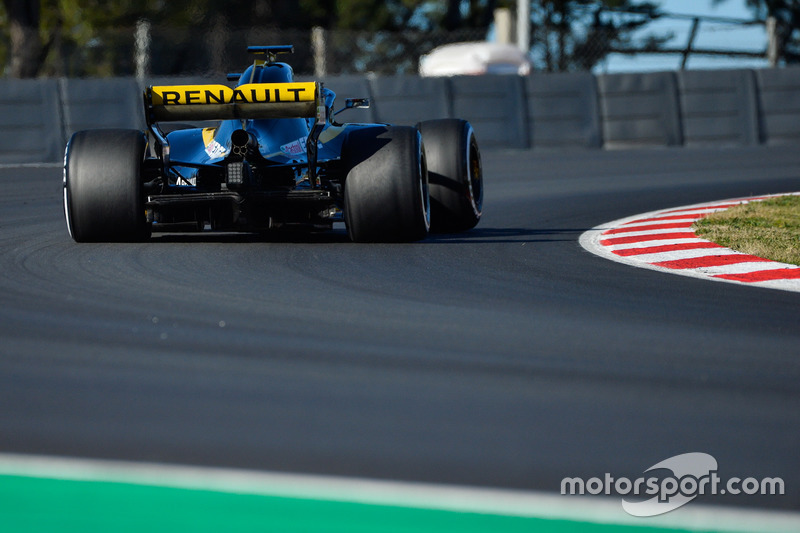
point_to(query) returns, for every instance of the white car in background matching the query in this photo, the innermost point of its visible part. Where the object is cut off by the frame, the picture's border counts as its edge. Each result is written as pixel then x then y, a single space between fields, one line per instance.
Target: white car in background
pixel 474 58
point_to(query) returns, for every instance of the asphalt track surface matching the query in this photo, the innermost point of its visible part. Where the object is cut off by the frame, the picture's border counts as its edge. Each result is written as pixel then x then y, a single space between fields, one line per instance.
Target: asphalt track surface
pixel 503 357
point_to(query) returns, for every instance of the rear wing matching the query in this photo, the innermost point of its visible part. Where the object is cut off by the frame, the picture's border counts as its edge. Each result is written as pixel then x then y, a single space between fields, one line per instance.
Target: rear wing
pixel 219 102
pixel 164 103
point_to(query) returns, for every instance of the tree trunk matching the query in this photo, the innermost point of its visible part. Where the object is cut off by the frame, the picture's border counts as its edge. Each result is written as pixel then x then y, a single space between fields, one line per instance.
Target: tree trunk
pixel 26 45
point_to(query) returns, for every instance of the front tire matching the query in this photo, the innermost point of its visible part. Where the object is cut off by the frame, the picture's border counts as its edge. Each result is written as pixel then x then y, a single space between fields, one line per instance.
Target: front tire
pixel 103 197
pixel 455 173
pixel 386 189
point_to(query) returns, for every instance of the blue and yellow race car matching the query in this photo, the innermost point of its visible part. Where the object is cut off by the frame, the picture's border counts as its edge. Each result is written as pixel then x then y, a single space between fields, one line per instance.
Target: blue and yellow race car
pixel 273 157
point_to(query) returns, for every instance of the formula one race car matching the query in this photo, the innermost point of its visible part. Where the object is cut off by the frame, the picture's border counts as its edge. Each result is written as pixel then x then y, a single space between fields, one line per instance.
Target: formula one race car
pixel 275 158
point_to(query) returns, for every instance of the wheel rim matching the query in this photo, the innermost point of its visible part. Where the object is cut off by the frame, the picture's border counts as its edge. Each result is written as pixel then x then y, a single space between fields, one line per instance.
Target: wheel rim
pixel 67 214
pixel 474 174
pixel 423 189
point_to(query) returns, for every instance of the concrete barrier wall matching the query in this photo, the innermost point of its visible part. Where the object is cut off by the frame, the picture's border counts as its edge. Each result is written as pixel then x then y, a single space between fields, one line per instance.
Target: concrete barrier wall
pixel 31 123
pixel 93 104
pixel 640 110
pixel 406 100
pixel 779 105
pixel 719 108
pixel 540 111
pixel 495 106
pixel 563 111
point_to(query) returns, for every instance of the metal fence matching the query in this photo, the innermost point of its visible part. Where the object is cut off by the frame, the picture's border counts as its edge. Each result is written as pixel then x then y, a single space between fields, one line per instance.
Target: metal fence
pixel 155 49
pixel 150 49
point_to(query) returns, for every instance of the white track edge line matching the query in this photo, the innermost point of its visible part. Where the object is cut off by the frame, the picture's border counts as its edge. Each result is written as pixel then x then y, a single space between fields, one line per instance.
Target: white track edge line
pixel 465 499
pixel 590 241
pixel 30 165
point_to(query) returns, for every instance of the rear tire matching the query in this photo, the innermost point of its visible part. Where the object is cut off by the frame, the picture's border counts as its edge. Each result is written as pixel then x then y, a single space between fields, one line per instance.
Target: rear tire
pixel 103 197
pixel 455 174
pixel 386 189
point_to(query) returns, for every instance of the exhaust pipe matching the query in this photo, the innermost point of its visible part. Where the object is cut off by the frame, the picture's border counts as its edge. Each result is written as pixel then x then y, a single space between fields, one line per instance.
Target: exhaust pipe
pixel 238 174
pixel 242 142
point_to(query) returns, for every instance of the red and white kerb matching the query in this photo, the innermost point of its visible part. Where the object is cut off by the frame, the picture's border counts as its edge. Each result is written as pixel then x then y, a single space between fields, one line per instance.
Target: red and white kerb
pixel 664 240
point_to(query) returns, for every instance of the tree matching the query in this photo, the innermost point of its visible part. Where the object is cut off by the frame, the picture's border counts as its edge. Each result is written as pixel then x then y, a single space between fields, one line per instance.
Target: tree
pixel 94 37
pixel 26 46
pixel 478 15
pixel 389 37
pixel 573 35
pixel 786 14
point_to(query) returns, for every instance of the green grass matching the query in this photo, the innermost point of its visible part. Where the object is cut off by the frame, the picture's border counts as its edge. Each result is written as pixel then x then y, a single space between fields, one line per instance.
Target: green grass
pixel 38 505
pixel 768 228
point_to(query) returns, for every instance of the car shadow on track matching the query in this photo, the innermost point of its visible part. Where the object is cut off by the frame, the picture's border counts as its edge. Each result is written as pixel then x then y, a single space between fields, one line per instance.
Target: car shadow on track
pixel 339 236
pixel 299 237
pixel 506 235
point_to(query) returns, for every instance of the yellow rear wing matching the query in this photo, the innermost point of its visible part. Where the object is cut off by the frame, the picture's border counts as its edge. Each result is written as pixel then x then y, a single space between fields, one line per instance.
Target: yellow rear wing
pixel 219 102
pixel 164 103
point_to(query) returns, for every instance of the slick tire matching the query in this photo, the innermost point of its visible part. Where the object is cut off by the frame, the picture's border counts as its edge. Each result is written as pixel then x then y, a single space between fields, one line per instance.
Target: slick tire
pixel 103 197
pixel 386 188
pixel 455 174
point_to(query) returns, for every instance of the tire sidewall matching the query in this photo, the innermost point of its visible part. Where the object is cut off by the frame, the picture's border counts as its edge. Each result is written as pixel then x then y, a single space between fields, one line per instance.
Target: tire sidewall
pixel 103 197
pixel 455 170
pixel 386 189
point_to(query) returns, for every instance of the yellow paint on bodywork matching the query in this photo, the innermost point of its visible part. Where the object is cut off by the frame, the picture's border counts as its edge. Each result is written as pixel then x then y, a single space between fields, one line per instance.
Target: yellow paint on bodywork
pixel 208 135
pixel 250 93
pixel 330 133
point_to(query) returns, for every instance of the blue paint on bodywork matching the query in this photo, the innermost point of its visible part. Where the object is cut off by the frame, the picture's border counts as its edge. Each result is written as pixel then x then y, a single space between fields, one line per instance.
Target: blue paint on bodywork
pixel 280 141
